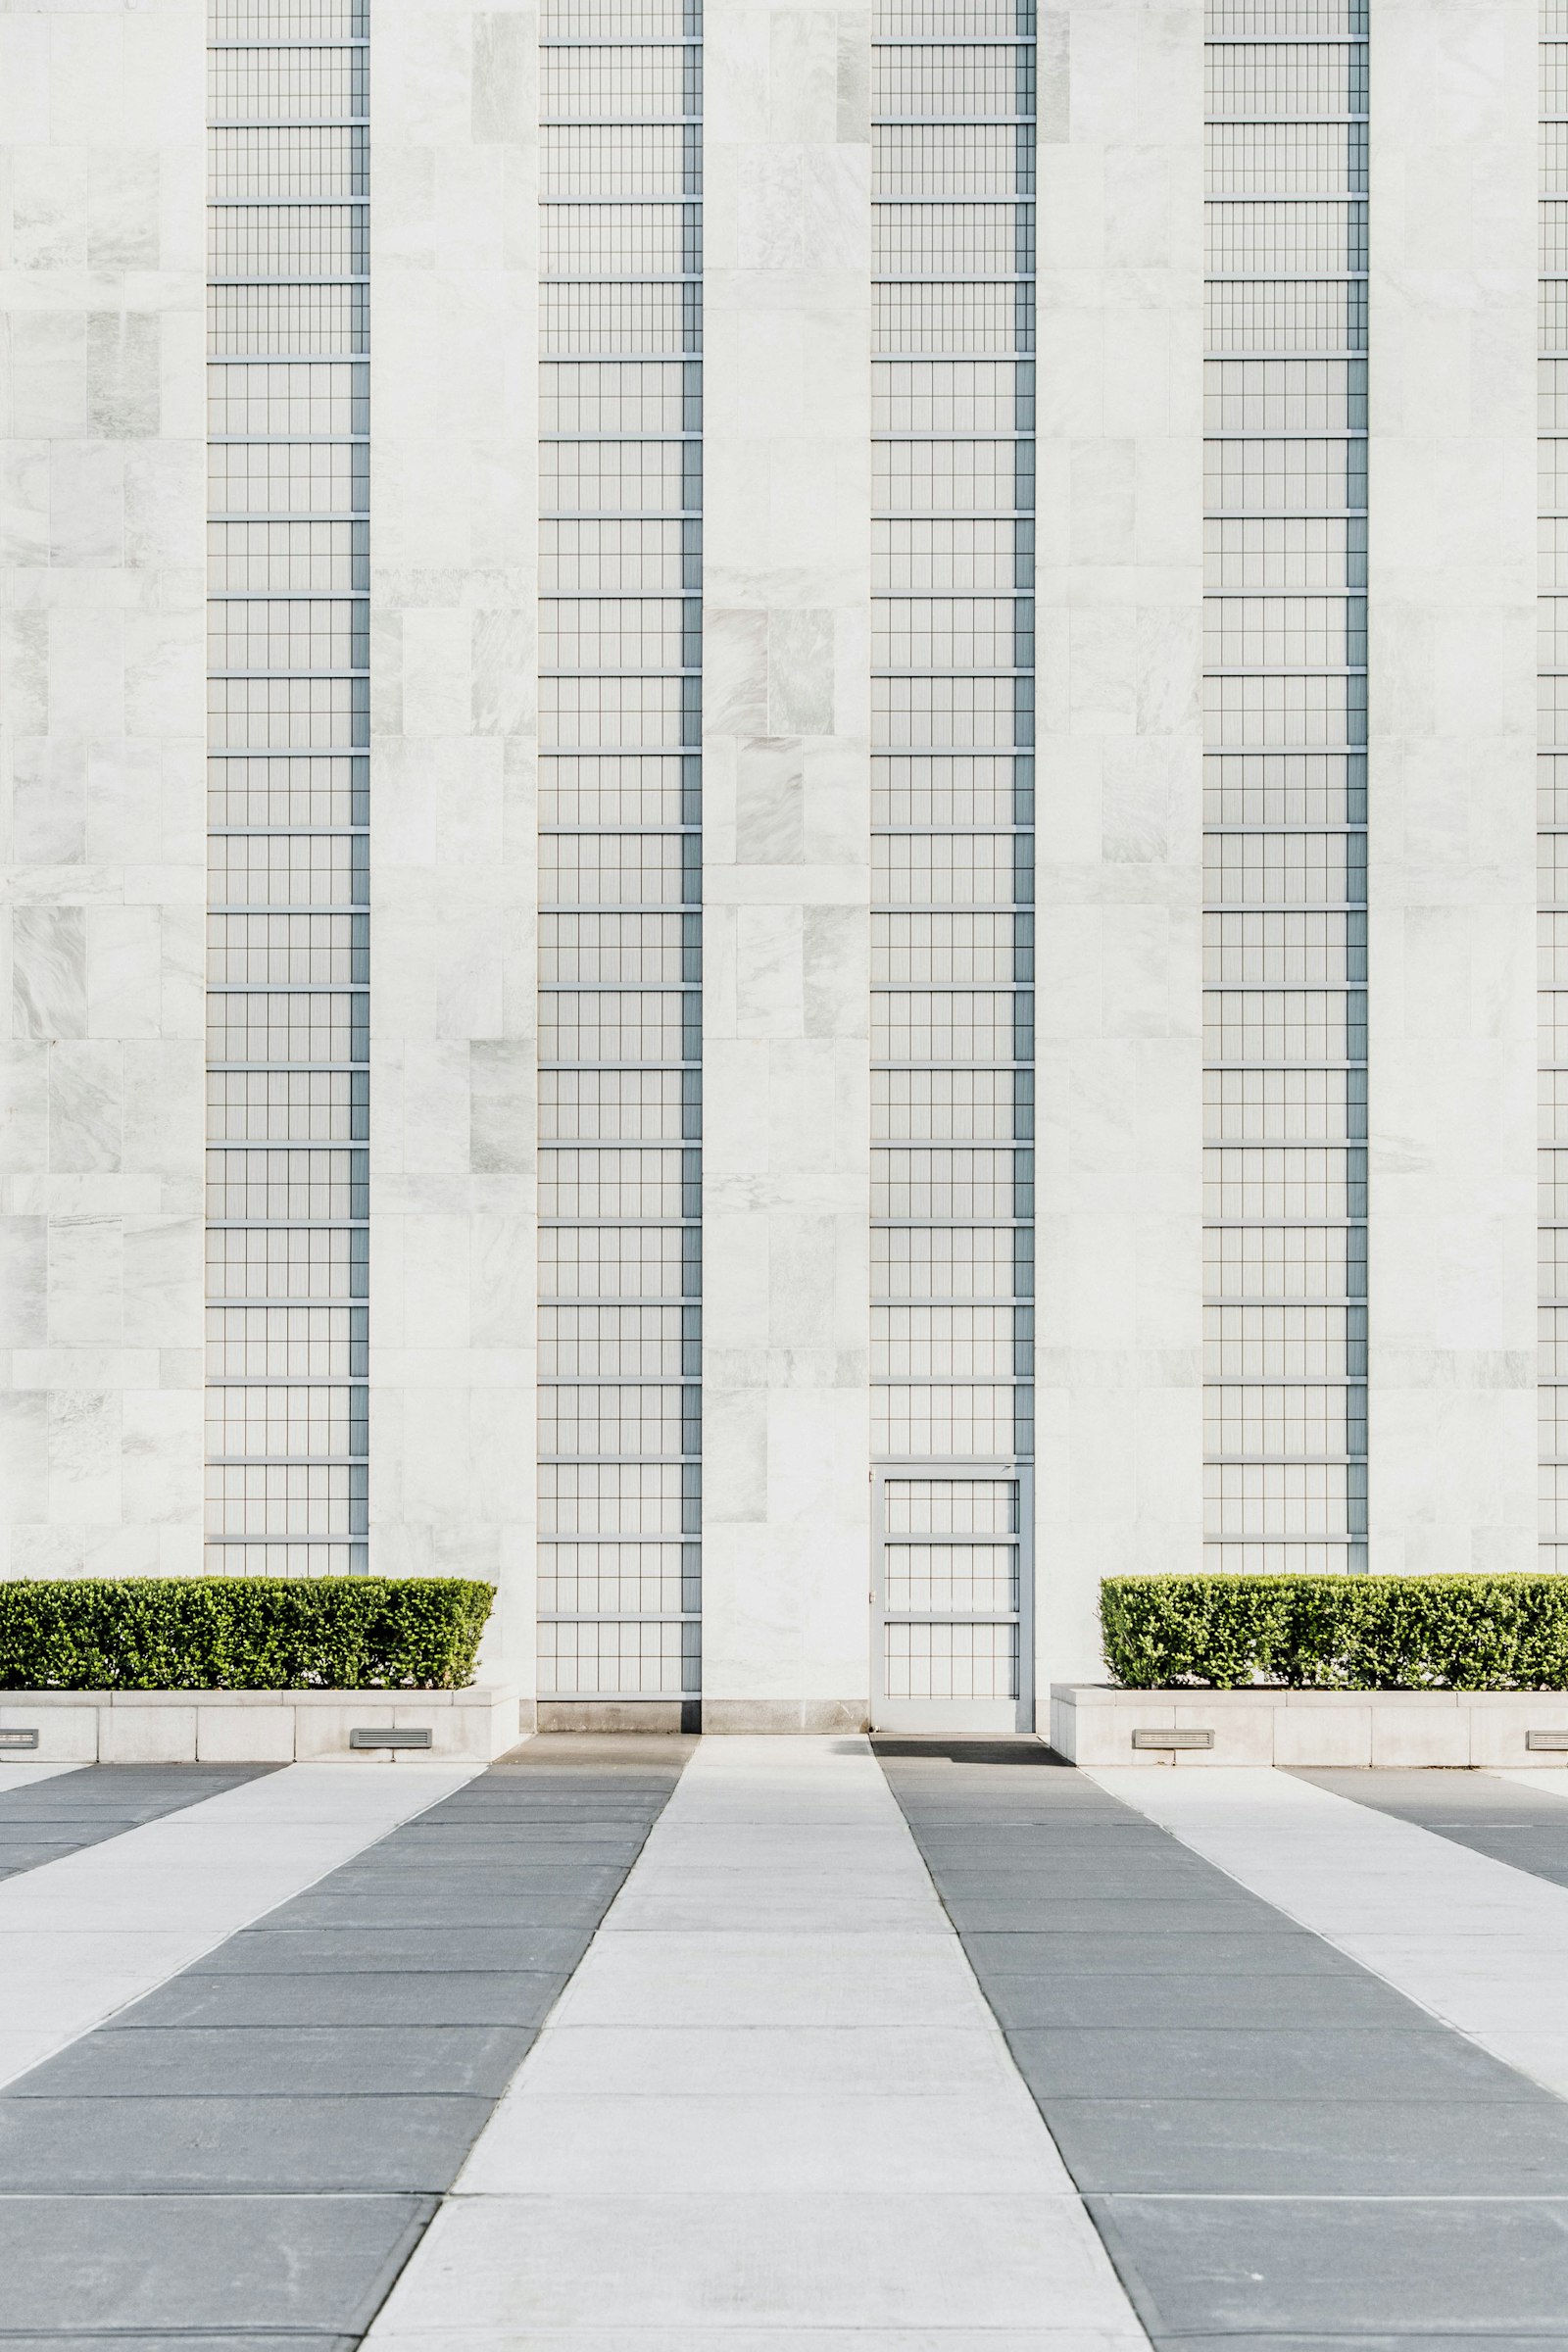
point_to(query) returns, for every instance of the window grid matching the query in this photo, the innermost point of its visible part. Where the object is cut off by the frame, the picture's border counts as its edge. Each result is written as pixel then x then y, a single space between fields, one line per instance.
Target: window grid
pixel 952 921
pixel 620 854
pixel 288 945
pixel 1553 802
pixel 1285 895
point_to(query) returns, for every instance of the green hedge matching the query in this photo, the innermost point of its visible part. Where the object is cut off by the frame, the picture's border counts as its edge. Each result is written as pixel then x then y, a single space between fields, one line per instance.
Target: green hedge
pixel 212 1632
pixel 1338 1632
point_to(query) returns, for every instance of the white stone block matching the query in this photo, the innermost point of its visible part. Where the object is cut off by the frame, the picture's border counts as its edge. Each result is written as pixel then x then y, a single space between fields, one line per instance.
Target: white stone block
pixel 226 1734
pixel 454 740
pixel 1118 611
pixel 1411 1734
pixel 1243 1735
pixel 103 759
pixel 1336 1734
pixel 786 867
pixel 151 1733
pixel 1450 853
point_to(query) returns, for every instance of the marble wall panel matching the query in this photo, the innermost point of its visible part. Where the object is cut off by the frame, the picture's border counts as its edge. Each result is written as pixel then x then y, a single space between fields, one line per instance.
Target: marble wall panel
pixel 1450 855
pixel 102 804
pixel 453 800
pixel 786 865
pixel 1118 839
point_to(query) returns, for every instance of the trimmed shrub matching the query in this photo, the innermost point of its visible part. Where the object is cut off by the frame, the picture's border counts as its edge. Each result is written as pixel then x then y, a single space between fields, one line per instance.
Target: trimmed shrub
pixel 1338 1632
pixel 215 1633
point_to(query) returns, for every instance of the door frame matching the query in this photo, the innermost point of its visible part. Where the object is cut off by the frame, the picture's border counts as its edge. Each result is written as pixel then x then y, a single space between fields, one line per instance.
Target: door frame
pixel 978 1717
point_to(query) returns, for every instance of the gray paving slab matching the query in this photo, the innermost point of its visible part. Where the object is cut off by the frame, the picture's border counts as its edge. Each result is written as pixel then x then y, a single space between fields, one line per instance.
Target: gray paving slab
pixel 136 1791
pixel 314 2265
pixel 1455 1798
pixel 548 1800
pixel 271 2061
pixel 25 1853
pixel 239 2146
pixel 926 1753
pixel 1159 1998
pixel 555 1845
pixel 1075 1877
pixel 1268 2134
pixel 427 1872
pixel 74 1810
pixel 1254 1951
pixel 114 2340
pixel 1045 1791
pixel 301 1949
pixel 608 1754
pixel 1552 2341
pixel 1275 2064
pixel 411 1905
pixel 969 1799
pixel 425 1996
pixel 1541 1852
pixel 966 1845
pixel 1021 1910
pixel 1340 2264
pixel 551 1782
pixel 1337 2146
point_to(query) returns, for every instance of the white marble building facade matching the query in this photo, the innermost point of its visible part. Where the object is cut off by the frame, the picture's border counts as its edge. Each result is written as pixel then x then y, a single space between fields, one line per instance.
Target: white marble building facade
pixel 864 816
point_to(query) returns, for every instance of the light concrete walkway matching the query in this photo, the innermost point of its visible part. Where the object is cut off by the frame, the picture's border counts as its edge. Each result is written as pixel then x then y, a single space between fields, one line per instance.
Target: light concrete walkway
pixel 83 1936
pixel 772 2108
pixel 1481 1945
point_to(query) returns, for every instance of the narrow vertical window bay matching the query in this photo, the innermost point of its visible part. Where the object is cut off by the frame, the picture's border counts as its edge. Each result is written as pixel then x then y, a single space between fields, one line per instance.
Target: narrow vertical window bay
pixel 952 878
pixel 1286 785
pixel 621 853
pixel 1553 795
pixel 289 924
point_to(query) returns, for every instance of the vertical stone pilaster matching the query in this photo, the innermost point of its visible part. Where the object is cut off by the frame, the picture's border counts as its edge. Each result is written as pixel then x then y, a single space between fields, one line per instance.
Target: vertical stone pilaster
pixel 1450 863
pixel 101 789
pixel 787 865
pixel 1118 828
pixel 453 794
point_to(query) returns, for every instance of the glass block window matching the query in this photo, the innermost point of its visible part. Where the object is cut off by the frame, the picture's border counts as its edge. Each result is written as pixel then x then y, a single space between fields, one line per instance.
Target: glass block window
pixel 952 818
pixel 288 733
pixel 1552 794
pixel 1285 892
pixel 621 853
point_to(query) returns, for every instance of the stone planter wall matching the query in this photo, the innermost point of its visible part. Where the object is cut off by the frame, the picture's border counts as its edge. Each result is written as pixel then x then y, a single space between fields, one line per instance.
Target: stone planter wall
pixel 254 1727
pixel 1094 1723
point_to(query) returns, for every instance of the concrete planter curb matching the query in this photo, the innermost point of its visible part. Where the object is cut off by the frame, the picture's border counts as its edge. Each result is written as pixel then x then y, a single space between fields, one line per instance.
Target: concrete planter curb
pixel 255 1726
pixel 1095 1723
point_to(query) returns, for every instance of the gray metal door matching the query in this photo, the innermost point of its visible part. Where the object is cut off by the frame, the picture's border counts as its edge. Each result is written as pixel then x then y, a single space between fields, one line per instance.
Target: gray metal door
pixel 953 1597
